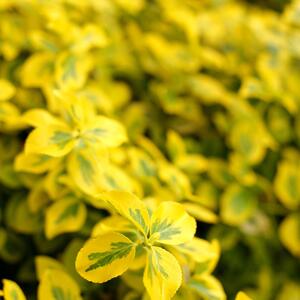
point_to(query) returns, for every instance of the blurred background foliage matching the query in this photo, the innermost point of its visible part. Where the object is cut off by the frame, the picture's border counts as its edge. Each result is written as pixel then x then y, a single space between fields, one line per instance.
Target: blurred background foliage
pixel 217 80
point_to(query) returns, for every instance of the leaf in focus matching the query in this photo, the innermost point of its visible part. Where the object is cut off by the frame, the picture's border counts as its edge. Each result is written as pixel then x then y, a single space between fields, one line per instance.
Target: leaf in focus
pixel 171 224
pixel 114 223
pixel 105 257
pixel 130 207
pixel 162 275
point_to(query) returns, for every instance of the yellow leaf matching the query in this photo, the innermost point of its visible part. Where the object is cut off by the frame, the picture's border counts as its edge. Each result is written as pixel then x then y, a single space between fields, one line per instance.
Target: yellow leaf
pixel 19 217
pixel 52 183
pixel 130 207
pixel 175 179
pixel 290 290
pixel 200 212
pixel 86 168
pixel 207 287
pixel 175 145
pixel 150 148
pixel 207 266
pixel 242 296
pixel 44 263
pixel 38 70
pixel 192 163
pixel 37 197
pixel 64 215
pixel 141 164
pixel 105 257
pixel 71 71
pixel 249 139
pixel 54 141
pixel 133 6
pixel 56 284
pixel 7 90
pixel 199 250
pixel 162 275
pixel 104 131
pixel 90 36
pixel 115 178
pixel 10 117
pixel 289 233
pixel 171 224
pixel 11 291
pixel 34 163
pixel 112 223
pixel 37 117
pixel 287 184
pixel 238 204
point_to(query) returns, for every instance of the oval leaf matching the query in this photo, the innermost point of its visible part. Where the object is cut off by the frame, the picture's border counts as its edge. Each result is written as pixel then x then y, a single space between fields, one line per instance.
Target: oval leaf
pixel 162 275
pixel 11 291
pixel 64 215
pixel 57 285
pixel 53 141
pixel 171 224
pixel 130 207
pixel 105 257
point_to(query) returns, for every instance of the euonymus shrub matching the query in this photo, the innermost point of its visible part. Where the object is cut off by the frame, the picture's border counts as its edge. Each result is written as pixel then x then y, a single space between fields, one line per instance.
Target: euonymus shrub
pixel 123 123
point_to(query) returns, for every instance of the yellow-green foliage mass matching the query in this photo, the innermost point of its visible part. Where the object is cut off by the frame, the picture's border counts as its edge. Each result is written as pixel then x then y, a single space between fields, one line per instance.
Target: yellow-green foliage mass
pixel 149 149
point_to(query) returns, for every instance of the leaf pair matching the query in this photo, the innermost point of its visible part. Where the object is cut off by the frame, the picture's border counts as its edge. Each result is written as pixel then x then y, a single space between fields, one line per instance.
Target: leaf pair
pixel 57 138
pixel 110 254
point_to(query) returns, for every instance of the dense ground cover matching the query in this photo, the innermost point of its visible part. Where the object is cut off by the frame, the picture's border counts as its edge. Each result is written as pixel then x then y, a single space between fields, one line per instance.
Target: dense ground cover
pixel 150 149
